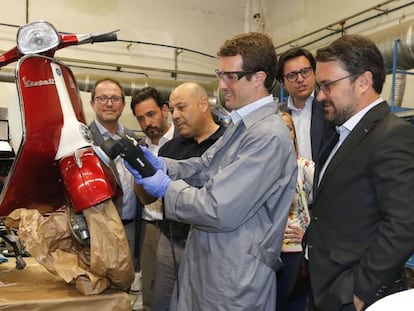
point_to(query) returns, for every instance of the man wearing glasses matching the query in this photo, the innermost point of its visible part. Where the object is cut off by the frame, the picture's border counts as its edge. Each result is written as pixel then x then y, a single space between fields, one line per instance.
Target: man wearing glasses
pixel 361 230
pixel 237 195
pixel 107 100
pixel 295 72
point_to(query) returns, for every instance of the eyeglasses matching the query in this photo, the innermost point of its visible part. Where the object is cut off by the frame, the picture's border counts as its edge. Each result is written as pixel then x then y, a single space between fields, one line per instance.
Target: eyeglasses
pixel 104 99
pixel 326 87
pixel 293 75
pixel 230 77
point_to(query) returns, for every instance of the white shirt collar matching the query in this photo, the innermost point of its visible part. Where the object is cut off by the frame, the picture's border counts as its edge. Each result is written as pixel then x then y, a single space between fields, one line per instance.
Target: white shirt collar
pixel 291 105
pixel 238 114
pixel 166 137
pixel 104 132
pixel 353 121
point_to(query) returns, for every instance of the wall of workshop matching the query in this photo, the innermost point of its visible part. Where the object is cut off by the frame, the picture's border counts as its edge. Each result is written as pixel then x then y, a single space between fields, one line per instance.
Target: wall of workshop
pixel 289 20
pixel 199 25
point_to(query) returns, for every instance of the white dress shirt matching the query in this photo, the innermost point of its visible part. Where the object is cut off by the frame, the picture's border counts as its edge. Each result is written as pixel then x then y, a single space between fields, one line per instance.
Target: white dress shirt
pixel 153 211
pixel 302 121
pixel 129 199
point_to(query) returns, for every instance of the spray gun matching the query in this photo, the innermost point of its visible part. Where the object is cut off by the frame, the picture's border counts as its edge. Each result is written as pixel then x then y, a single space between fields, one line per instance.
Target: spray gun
pixel 128 148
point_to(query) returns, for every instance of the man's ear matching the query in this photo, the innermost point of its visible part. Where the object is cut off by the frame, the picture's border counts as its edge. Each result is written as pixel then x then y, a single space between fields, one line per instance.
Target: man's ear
pixel 204 103
pixel 260 77
pixel 365 80
pixel 165 108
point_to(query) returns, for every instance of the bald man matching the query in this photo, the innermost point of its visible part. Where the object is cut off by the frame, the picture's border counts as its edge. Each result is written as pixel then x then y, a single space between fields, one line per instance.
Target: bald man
pixel 192 117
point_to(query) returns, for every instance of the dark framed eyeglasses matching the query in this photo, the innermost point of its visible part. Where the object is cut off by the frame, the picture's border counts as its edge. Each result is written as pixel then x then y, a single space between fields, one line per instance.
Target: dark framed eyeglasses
pixel 326 87
pixel 104 99
pixel 293 75
pixel 232 76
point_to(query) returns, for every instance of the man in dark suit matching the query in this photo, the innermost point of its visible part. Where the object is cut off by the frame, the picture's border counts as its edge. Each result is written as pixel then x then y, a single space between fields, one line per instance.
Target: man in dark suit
pixel 108 102
pixel 295 72
pixel 362 225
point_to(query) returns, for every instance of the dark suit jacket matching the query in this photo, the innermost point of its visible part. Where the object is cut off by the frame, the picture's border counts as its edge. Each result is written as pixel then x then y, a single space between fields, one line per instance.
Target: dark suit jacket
pixel 321 130
pixel 362 227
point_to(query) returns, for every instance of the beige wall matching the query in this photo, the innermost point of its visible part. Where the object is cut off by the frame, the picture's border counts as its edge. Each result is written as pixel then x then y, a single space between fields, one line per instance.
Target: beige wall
pixel 200 25
pixel 289 20
pixel 197 25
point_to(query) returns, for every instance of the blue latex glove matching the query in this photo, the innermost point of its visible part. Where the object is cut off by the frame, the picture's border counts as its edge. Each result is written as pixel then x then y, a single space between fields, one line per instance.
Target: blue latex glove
pixel 157 162
pixel 155 185
pixel 3 259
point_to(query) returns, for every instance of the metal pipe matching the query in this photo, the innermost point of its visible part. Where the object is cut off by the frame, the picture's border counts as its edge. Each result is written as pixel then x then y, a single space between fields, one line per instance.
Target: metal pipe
pixel 396 45
pixel 130 85
pixel 27 11
pixel 131 68
pixel 394 69
pixel 338 23
pixel 343 28
pixel 87 81
pixel 385 38
pixel 397 96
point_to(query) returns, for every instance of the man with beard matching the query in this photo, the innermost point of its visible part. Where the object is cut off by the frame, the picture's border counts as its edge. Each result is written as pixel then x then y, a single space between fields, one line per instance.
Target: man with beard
pixel 361 230
pixel 295 72
pixel 151 112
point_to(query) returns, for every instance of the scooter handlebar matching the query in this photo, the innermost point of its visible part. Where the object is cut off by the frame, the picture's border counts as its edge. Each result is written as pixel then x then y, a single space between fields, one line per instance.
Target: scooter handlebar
pixel 93 37
pixel 105 37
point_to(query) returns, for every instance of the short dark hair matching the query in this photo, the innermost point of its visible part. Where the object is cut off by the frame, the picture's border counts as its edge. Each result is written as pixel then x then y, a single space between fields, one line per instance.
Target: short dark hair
pixel 357 54
pixel 145 93
pixel 93 92
pixel 257 51
pixel 290 54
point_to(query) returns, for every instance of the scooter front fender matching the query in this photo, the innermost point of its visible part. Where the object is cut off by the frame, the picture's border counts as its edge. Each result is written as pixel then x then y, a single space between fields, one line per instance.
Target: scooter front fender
pixel 87 180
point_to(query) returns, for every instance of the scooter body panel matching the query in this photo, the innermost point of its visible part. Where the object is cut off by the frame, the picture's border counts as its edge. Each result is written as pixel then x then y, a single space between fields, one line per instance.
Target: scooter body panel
pixel 87 179
pixel 34 180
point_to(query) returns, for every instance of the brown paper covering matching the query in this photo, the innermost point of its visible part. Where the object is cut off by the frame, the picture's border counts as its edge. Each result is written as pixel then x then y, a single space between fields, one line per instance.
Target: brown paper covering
pixel 92 269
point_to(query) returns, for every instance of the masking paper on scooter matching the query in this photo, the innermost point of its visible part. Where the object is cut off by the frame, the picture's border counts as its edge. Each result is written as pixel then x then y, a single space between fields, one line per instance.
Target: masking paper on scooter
pixel 92 269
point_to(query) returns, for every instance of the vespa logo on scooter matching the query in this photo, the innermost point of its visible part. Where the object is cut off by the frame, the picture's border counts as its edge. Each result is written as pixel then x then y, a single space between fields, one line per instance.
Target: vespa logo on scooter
pixel 71 82
pixel 30 83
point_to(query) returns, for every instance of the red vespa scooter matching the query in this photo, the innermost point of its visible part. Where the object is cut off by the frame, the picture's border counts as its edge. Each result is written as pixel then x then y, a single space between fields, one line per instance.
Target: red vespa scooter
pixel 55 163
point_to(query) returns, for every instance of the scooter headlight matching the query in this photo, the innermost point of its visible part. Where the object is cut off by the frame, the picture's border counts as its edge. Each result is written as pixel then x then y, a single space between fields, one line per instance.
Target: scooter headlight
pixel 37 37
